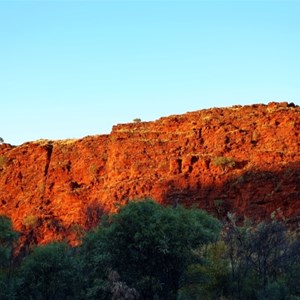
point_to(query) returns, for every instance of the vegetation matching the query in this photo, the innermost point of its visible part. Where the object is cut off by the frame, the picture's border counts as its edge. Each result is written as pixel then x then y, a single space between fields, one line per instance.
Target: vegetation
pixel 143 236
pixel 7 242
pixel 48 273
pixel 147 251
pixel 264 261
pixel 30 221
pixel 137 120
pixel 224 162
pixel 3 161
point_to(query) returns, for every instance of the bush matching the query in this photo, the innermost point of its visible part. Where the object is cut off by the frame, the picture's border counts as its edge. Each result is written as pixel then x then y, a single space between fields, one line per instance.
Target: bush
pixel 224 162
pixel 47 273
pixel 30 221
pixel 264 261
pixel 3 161
pixel 8 239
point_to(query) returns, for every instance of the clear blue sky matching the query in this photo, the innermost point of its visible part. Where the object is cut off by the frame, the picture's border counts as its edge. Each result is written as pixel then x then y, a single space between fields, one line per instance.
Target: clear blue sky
pixel 74 68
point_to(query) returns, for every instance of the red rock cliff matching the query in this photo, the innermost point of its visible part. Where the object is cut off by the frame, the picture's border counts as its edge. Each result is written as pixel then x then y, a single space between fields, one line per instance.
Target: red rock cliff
pixel 239 159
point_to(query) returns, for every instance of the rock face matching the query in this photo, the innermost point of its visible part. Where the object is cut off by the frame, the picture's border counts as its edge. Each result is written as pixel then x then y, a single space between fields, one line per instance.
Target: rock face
pixel 242 159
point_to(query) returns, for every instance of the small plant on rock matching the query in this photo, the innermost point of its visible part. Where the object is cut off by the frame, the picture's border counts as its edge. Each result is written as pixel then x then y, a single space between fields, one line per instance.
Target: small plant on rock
pixel 30 221
pixel 3 161
pixel 224 162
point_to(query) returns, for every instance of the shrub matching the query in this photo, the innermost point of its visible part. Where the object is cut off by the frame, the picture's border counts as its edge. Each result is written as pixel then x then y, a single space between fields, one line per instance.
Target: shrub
pixel 3 161
pixel 30 221
pixel 224 162
pixel 264 261
pixel 8 242
pixel 47 273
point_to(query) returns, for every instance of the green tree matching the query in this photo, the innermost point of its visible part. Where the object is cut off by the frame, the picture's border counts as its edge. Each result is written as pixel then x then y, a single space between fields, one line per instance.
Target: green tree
pixel 150 246
pixel 8 239
pixel 48 273
pixel 207 278
pixel 264 261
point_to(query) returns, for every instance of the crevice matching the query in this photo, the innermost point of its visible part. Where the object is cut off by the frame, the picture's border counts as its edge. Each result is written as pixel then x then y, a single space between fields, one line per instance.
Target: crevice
pixel 75 185
pixel 194 159
pixel 49 149
pixel 179 165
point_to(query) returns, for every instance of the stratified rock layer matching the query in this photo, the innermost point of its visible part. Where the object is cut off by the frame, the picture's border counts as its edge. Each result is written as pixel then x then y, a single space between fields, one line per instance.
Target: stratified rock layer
pixel 56 189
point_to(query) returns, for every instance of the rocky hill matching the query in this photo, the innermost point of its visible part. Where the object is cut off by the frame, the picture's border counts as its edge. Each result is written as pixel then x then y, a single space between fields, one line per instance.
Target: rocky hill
pixel 241 159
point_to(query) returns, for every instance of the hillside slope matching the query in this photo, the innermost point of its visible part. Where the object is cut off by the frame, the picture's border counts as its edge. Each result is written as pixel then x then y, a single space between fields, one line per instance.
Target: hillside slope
pixel 54 189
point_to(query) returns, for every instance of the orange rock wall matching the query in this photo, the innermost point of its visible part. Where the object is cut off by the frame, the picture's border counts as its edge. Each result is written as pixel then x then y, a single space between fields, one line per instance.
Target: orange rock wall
pixel 53 189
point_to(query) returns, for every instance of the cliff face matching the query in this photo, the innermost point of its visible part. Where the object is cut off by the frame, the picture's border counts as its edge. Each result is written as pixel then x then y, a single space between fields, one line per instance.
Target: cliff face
pixel 239 159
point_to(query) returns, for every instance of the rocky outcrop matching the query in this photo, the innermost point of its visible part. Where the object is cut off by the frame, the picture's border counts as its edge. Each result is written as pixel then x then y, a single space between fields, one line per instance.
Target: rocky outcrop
pixel 241 159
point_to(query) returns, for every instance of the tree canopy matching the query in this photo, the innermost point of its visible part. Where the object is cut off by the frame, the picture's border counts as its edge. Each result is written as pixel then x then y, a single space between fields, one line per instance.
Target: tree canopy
pixel 47 273
pixel 148 251
pixel 150 245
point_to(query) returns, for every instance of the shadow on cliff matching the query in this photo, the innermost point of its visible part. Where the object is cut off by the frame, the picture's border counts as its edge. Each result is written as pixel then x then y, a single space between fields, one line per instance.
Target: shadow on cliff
pixel 254 193
pixel 52 228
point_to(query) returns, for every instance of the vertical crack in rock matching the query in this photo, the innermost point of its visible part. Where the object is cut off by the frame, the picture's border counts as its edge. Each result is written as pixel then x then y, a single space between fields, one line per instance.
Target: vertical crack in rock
pixel 49 149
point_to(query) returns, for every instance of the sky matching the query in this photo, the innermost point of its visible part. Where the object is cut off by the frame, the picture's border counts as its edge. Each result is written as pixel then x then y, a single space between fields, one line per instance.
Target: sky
pixel 69 69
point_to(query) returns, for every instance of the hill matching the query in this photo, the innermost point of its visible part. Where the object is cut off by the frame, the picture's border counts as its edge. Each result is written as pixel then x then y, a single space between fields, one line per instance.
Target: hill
pixel 240 159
